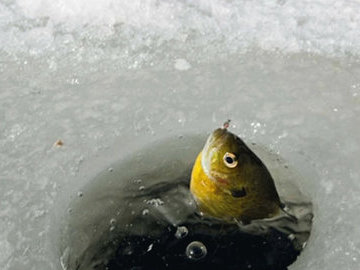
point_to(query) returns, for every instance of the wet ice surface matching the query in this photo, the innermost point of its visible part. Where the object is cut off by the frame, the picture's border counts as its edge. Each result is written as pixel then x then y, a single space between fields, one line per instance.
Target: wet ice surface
pixel 108 79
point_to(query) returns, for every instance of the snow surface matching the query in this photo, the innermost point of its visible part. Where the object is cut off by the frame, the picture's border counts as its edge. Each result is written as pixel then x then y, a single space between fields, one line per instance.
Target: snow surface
pixel 105 77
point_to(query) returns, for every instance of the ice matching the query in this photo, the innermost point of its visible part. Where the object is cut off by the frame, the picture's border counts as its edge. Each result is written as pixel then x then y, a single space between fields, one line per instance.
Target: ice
pixel 106 78
pixel 182 64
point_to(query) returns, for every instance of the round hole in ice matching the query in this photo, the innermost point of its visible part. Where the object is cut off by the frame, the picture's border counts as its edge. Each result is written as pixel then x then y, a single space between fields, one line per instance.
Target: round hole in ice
pixel 113 226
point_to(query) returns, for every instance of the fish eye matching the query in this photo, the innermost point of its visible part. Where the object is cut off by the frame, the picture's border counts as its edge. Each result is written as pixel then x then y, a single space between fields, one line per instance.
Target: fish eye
pixel 230 160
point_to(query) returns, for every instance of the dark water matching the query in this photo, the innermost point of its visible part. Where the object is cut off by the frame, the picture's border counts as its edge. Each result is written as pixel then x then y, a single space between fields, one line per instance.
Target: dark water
pixel 139 214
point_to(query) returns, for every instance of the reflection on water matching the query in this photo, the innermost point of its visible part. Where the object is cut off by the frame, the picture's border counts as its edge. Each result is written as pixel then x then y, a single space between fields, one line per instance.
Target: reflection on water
pixel 140 215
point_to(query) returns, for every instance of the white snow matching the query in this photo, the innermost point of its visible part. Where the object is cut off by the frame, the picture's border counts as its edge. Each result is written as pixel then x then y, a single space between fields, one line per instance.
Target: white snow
pixel 182 64
pixel 107 76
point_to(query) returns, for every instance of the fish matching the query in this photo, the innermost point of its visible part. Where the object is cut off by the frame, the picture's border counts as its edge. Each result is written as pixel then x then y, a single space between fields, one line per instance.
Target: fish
pixel 230 182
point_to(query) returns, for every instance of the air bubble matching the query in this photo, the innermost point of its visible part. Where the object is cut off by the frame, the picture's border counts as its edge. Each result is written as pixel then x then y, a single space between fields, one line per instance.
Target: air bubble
pixel 155 202
pixel 137 181
pixel 112 221
pixel 304 244
pixel 150 247
pixel 291 237
pixel 128 250
pixel 80 194
pixel 181 232
pixel 196 251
